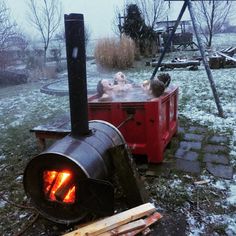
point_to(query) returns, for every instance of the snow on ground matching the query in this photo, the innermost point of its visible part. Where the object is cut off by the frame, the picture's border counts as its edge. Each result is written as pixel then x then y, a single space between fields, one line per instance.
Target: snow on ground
pixel 19 108
pixel 197 228
pixel 2 203
pixel 23 103
pixel 232 193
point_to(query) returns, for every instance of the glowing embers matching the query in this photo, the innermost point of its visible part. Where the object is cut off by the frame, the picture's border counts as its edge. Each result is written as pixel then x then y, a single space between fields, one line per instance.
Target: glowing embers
pixel 59 186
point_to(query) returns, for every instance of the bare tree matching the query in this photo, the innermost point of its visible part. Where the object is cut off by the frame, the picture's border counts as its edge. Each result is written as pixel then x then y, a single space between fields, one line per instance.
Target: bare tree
pixel 60 37
pixel 211 17
pixel 45 17
pixel 7 32
pixel 152 11
pixel 7 28
pixel 87 34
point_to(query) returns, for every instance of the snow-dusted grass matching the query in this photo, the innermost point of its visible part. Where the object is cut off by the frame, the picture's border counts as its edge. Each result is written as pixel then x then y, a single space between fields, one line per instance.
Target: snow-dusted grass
pixel 26 105
pixel 232 194
pixel 23 107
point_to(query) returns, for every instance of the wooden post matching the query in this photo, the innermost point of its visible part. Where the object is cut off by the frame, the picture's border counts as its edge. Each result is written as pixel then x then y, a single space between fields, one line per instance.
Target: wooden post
pixel 169 40
pixel 205 62
pixel 128 176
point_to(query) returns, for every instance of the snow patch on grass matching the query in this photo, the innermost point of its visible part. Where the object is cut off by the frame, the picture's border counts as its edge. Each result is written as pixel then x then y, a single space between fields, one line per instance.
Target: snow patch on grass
pixel 195 227
pixel 232 192
pixel 2 203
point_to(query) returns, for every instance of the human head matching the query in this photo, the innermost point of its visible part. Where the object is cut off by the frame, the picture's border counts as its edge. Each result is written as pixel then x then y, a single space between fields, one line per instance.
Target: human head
pixel 146 84
pixel 103 86
pixel 119 78
pixel 157 87
pixel 165 78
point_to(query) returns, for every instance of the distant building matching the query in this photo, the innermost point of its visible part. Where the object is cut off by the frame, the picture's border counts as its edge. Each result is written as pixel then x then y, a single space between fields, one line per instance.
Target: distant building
pixel 183 36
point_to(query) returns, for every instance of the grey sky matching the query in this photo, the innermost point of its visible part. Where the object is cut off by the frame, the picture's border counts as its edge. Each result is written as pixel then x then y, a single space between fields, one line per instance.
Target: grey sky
pixel 98 14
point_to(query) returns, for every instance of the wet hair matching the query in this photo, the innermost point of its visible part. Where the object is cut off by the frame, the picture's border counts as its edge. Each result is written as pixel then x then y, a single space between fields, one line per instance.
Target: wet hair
pixel 157 87
pixel 165 78
pixel 100 90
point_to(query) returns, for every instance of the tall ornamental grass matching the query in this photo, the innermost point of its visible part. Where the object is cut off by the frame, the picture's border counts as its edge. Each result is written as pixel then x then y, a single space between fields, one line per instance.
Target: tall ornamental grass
pixel 115 53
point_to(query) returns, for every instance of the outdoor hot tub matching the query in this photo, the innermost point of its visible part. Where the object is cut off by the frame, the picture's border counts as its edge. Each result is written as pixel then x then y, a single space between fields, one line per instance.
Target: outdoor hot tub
pixel 147 124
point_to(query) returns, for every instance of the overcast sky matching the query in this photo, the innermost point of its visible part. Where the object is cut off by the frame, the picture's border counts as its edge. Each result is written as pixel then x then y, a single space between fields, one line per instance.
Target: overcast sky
pixel 98 14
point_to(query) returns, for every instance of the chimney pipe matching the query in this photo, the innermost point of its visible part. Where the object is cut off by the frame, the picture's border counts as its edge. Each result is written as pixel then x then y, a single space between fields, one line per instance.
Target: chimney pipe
pixel 76 66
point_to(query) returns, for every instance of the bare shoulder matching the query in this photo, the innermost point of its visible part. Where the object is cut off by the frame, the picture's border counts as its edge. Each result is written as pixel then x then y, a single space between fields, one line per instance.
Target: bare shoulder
pixel 105 97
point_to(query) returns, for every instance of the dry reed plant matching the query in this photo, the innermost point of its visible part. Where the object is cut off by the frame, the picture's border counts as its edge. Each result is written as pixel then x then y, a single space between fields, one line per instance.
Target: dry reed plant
pixel 113 53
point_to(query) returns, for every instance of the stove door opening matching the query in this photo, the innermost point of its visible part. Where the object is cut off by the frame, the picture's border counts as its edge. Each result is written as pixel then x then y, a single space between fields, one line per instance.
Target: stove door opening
pixel 59 186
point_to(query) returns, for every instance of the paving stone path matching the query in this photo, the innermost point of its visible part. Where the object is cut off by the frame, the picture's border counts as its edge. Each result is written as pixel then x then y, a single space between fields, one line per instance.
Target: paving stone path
pixel 198 150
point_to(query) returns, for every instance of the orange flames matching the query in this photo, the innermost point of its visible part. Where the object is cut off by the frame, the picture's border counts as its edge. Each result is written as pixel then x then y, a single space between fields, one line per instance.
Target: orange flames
pixel 58 186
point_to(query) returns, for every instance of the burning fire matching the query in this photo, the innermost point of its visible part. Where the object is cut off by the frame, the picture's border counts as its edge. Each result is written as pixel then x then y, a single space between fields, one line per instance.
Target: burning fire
pixel 58 186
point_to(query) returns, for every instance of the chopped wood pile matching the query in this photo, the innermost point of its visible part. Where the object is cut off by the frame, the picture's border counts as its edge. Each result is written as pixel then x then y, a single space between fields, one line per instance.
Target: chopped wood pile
pixel 127 223
pixel 223 59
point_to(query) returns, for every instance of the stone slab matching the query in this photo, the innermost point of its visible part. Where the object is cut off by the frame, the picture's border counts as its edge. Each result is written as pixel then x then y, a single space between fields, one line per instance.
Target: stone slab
pixel 215 148
pixel 219 139
pixel 188 166
pixel 186 155
pixel 221 159
pixel 197 129
pixel 181 130
pixel 190 145
pixel 193 137
pixel 218 170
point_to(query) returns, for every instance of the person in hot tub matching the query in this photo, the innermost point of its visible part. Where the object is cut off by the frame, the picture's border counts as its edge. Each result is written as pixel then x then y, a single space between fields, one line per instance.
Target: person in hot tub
pixel 106 90
pixel 165 78
pixel 157 86
pixel 120 82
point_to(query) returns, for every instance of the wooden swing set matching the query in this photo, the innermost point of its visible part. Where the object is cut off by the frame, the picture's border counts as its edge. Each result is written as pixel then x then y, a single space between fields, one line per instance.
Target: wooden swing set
pixel 188 4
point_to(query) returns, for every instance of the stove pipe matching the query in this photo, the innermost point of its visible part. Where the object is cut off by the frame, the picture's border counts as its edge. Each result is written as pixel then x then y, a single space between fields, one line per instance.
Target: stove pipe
pixel 71 178
pixel 76 66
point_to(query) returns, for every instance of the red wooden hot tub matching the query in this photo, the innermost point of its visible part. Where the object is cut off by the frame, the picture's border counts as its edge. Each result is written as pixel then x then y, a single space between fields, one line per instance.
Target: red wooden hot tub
pixel 147 125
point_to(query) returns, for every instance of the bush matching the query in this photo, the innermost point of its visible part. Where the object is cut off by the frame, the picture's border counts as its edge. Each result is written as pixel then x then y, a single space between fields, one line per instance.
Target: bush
pixel 34 62
pixel 12 78
pixel 6 59
pixel 113 53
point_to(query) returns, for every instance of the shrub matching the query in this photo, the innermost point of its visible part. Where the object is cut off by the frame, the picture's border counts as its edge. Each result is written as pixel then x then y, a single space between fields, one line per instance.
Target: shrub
pixel 113 53
pixel 6 59
pixel 34 62
pixel 49 71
